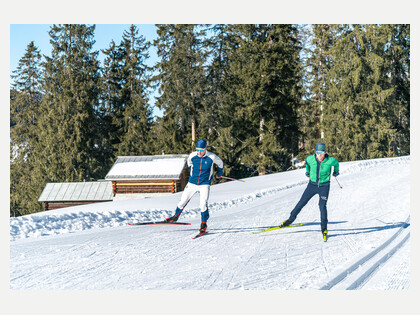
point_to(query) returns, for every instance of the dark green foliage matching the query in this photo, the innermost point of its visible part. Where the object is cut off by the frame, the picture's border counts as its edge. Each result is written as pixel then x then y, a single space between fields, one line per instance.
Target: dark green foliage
pixel 68 133
pixel 25 99
pixel 126 108
pixel 359 91
pixel 360 95
pixel 181 78
pixel 265 76
pixel 137 118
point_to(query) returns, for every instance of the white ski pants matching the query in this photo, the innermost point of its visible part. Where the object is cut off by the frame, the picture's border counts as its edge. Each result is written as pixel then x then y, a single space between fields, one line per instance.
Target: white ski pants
pixel 189 192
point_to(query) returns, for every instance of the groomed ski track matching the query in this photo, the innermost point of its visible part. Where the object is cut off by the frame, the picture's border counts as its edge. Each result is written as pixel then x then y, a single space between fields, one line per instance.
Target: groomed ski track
pixel 358 273
pixel 369 222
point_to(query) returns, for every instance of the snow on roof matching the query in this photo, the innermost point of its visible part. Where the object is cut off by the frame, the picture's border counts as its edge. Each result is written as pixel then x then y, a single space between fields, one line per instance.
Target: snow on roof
pixel 82 191
pixel 148 167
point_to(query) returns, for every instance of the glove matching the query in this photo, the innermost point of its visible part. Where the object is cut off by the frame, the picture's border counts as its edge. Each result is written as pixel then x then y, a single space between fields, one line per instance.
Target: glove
pixel 307 174
pixel 335 174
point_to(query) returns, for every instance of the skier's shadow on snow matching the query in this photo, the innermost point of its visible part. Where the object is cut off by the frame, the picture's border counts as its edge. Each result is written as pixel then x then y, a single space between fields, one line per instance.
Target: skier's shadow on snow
pixel 332 232
pixel 353 231
pixel 259 228
pixel 363 230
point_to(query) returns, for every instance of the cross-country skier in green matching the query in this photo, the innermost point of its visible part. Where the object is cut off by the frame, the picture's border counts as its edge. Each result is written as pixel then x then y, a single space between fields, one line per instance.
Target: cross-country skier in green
pixel 318 169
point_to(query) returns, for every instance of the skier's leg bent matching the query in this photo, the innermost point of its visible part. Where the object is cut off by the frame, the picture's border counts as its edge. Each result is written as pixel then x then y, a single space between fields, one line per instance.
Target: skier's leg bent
pixel 309 192
pixel 186 196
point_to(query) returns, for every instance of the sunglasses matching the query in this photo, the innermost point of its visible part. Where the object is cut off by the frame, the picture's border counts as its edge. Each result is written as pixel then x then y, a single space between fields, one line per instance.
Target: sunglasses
pixel 200 150
pixel 320 152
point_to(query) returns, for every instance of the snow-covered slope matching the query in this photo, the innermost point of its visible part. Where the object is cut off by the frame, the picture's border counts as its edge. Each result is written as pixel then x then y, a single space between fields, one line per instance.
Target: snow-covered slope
pixel 92 247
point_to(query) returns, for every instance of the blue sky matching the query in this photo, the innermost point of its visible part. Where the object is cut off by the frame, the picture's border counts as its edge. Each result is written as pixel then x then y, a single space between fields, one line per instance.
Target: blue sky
pixel 22 34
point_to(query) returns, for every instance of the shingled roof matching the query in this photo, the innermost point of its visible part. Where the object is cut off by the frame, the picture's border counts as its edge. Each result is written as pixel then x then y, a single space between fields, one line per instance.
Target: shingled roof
pixel 148 167
pixel 81 191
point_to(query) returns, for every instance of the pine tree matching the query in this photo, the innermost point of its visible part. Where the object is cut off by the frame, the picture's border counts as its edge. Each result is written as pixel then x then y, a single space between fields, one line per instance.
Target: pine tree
pixel 69 140
pixel 317 65
pixel 397 77
pixel 181 79
pixel 217 67
pixel 136 120
pixel 266 74
pixel 218 112
pixel 111 107
pixel 358 116
pixel 25 99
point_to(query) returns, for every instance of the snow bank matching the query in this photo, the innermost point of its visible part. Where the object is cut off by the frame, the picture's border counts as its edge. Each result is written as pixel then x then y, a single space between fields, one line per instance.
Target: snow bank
pixel 106 215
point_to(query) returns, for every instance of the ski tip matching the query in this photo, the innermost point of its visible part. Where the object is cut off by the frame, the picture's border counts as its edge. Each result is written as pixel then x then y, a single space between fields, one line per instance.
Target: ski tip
pixel 199 234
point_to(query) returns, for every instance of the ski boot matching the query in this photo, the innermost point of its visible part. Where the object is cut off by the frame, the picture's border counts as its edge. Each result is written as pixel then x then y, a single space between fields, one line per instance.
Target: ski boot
pixel 172 219
pixel 203 227
pixel 285 223
pixel 324 234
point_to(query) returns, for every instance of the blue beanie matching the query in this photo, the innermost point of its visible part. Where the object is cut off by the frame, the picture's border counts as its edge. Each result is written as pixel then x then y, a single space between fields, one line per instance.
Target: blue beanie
pixel 320 146
pixel 201 144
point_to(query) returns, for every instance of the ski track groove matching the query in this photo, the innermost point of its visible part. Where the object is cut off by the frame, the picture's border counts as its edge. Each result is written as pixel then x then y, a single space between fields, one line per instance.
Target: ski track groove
pixel 368 258
pixel 324 262
pixel 350 243
pixel 254 257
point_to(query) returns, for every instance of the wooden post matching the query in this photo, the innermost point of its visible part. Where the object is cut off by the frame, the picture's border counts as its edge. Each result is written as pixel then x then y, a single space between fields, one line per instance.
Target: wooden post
pixel 114 187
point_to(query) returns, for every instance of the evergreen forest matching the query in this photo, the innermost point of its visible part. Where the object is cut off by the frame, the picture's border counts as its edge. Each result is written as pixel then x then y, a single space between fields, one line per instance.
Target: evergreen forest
pixel 262 95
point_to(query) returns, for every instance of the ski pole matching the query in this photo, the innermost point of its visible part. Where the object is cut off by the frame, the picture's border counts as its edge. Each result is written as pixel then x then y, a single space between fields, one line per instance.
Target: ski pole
pixel 341 187
pixel 239 180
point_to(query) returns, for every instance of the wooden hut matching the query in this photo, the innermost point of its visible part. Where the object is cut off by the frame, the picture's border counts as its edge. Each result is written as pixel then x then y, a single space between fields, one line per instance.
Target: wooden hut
pixel 145 176
pixel 61 195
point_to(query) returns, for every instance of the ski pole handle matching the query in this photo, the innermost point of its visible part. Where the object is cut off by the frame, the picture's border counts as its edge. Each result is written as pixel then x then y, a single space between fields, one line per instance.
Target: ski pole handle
pixel 239 180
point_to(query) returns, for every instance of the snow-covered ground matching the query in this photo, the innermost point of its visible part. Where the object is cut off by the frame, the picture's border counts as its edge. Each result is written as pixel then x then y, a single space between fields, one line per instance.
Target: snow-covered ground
pixel 92 247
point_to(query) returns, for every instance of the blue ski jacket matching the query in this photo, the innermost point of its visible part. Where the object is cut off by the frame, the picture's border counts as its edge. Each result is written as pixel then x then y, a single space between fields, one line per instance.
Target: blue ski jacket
pixel 201 169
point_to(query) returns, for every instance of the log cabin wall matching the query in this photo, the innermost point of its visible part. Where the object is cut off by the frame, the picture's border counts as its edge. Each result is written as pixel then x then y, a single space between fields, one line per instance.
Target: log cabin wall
pixel 151 186
pixel 51 205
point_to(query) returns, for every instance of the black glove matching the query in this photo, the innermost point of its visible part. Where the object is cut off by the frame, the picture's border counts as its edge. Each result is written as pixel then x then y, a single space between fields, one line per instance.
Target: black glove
pixel 336 174
pixel 307 174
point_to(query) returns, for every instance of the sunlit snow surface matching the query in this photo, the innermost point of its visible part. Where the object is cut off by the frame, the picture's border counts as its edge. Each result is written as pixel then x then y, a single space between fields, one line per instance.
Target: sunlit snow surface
pixel 92 247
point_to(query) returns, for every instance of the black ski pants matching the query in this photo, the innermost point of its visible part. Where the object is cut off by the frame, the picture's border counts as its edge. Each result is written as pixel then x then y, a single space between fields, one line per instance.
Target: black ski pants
pixel 311 190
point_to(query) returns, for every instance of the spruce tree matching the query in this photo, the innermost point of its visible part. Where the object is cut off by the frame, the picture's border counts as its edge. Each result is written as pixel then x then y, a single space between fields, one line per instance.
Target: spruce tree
pixel 69 147
pixel 397 77
pixel 358 116
pixel 317 66
pixel 25 99
pixel 218 113
pixel 111 107
pixel 217 68
pixel 266 74
pixel 135 122
pixel 181 81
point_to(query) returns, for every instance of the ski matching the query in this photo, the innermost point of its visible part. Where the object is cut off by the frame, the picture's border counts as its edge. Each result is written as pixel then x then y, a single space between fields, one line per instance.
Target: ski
pixel 159 222
pixel 324 237
pixel 276 228
pixel 199 234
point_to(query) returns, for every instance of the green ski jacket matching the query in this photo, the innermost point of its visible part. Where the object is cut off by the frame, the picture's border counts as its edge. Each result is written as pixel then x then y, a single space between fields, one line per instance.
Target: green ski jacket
pixel 320 172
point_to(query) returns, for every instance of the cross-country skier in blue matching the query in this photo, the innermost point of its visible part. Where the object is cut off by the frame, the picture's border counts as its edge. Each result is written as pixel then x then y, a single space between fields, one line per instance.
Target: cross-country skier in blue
pixel 318 169
pixel 201 175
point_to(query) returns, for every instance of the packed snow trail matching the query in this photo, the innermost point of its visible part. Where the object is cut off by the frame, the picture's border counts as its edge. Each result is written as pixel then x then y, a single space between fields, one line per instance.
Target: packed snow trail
pixel 372 206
